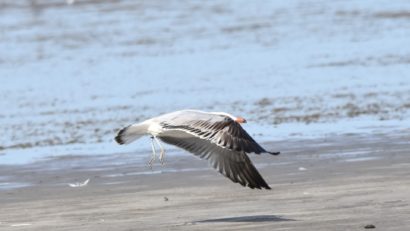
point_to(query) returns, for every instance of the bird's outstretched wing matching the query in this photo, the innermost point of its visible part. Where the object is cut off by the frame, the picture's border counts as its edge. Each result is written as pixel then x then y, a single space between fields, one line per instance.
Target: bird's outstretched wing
pixel 218 129
pixel 235 165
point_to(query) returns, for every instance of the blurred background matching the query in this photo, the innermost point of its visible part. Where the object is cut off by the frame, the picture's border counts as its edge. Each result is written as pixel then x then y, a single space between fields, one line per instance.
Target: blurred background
pixel 73 72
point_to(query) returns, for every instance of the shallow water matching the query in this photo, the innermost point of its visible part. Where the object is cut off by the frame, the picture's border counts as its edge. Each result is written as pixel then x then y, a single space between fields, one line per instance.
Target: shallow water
pixel 73 74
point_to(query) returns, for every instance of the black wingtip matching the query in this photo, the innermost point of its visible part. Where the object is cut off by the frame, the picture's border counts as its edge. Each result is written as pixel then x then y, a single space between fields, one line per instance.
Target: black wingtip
pixel 274 153
pixel 118 138
pixel 260 187
pixel 266 186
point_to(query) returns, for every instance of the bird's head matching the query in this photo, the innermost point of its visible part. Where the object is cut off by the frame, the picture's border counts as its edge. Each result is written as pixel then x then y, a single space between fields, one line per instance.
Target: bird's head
pixel 240 120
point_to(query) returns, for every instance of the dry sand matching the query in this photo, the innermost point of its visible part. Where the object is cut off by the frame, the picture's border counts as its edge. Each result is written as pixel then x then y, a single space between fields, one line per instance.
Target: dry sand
pixel 338 183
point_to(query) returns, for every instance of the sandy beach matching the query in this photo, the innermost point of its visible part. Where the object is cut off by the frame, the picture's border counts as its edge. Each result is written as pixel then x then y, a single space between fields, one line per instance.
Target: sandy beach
pixel 313 188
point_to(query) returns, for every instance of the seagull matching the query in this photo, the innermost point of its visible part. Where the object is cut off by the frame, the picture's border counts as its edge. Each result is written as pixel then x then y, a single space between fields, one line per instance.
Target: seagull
pixel 215 136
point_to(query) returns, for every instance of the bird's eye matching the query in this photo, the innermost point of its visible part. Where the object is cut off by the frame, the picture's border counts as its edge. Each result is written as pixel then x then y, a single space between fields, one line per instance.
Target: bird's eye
pixel 227 119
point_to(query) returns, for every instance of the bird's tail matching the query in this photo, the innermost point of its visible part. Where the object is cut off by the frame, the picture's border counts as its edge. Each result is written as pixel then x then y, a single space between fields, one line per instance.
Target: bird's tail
pixel 130 133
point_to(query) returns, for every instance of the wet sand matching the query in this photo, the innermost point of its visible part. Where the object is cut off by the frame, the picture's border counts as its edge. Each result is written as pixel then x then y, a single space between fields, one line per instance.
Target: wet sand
pixel 279 64
pixel 336 183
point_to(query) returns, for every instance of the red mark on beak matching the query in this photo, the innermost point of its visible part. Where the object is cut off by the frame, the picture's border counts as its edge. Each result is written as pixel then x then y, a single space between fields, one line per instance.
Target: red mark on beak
pixel 240 120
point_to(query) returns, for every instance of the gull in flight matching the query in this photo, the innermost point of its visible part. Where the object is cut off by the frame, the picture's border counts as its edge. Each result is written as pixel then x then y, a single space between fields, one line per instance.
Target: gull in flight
pixel 215 136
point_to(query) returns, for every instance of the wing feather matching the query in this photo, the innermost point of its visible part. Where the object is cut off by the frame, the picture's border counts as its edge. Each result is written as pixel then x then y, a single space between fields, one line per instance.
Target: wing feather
pixel 235 165
pixel 220 130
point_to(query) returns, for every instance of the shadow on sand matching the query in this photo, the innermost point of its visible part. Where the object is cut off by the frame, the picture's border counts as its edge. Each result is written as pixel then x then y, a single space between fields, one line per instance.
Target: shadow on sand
pixel 257 218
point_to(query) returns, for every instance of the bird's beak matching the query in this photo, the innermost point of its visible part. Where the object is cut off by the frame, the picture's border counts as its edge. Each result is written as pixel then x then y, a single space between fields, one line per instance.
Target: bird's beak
pixel 240 120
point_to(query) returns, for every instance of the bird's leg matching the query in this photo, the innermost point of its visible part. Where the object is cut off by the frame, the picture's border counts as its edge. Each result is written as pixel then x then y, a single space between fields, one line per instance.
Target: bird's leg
pixel 162 154
pixel 154 154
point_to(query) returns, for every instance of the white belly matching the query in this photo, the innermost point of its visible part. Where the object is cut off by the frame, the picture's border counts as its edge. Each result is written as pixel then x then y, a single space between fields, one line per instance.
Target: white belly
pixel 155 129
